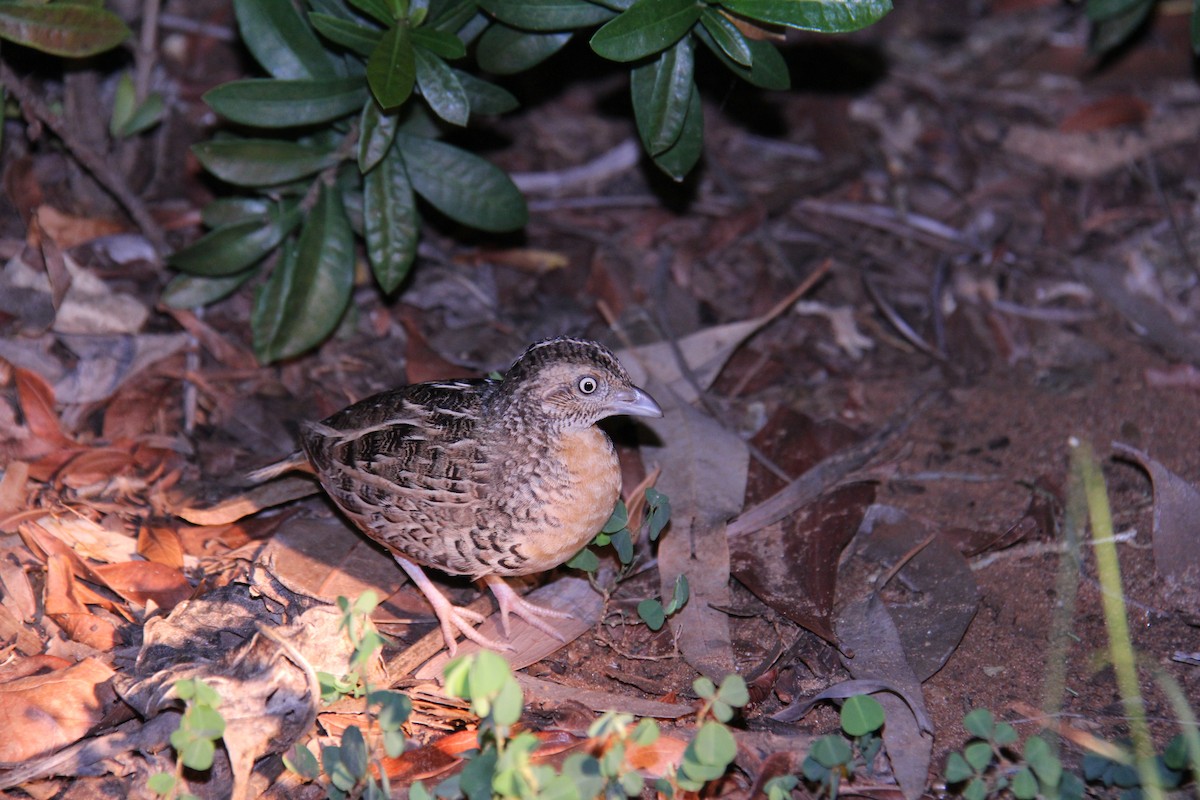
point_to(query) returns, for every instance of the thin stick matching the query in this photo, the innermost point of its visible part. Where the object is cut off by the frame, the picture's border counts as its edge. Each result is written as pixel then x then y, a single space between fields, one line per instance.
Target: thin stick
pixel 35 110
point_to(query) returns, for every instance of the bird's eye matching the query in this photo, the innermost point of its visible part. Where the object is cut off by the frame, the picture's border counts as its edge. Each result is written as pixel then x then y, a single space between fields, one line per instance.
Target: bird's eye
pixel 587 384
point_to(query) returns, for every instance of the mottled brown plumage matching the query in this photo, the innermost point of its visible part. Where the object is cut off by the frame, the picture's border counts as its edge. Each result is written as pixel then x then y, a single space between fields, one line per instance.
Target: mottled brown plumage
pixel 483 478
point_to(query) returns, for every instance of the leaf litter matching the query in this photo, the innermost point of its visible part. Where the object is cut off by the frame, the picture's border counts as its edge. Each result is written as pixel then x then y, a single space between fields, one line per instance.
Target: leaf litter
pixel 96 449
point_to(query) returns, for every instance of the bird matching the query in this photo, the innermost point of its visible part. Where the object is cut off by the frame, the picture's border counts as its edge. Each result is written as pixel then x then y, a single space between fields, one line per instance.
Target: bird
pixel 486 478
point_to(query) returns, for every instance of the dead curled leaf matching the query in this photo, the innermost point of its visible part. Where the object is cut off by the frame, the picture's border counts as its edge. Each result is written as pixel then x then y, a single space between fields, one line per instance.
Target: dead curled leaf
pixel 1175 532
pixel 41 713
pixel 704 473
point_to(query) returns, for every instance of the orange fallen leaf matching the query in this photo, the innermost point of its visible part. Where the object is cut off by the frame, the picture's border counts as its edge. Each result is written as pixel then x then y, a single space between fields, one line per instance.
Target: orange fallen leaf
pixel 160 545
pixel 37 404
pixel 12 487
pixel 96 464
pixel 64 603
pixel 44 712
pixel 69 231
pixel 142 581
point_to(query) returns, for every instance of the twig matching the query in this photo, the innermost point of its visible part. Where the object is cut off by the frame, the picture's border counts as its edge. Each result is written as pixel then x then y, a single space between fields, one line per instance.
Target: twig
pixel 33 107
pixel 147 49
pixel 924 229
pixel 823 474
pixel 617 160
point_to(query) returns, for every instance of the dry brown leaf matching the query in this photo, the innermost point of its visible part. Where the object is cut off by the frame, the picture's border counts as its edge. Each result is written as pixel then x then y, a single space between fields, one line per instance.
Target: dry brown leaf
pixel 18 634
pixel 526 259
pixel 140 582
pixel 219 346
pixel 704 469
pixel 95 464
pixel 16 590
pixel 792 565
pixel 69 231
pixel 12 487
pixel 160 544
pixel 41 713
pixel 89 539
pixel 64 605
pixel 596 700
pixel 37 404
pixel 1110 112
pixel 1176 511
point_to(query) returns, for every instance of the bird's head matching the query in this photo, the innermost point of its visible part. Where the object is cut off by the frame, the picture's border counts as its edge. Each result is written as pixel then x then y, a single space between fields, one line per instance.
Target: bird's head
pixel 572 383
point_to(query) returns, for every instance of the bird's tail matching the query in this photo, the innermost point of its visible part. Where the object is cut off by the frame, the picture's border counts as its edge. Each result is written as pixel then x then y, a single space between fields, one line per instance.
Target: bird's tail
pixel 296 462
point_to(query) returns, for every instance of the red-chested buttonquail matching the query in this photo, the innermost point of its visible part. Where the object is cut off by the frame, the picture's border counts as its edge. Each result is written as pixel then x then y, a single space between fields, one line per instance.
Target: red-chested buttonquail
pixel 484 478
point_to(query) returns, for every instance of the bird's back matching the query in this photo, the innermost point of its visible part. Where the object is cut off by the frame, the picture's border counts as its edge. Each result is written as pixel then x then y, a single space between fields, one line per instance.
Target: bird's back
pixel 410 467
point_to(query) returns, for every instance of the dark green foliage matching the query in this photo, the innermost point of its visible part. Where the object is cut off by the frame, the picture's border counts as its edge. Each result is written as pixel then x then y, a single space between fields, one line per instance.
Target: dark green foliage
pixel 358 93
pixel 70 29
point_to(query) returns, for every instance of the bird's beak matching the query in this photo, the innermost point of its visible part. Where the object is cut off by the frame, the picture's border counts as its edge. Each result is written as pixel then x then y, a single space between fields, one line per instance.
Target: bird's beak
pixel 635 402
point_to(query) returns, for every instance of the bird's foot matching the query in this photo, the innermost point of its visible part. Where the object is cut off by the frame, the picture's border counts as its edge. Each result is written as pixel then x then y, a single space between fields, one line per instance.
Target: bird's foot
pixel 452 619
pixel 511 602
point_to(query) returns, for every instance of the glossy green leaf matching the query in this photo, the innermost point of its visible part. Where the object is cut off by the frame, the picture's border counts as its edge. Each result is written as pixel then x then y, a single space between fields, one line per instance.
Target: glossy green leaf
pixel 302 762
pixel 547 15
pixel 1195 27
pixel 129 117
pixel 618 520
pixel 1024 785
pixel 768 69
pixel 662 90
pixel 334 8
pixel 353 751
pixel 677 161
pixel 978 754
pixel 827 16
pixel 376 132
pixel 1042 760
pixel 733 690
pixel 228 210
pixel 980 722
pixel 307 293
pixel 830 751
pixel 194 291
pixel 1103 9
pixel 267 103
pixel 727 36
pixel 351 35
pixel 462 185
pixel 230 249
pixel 714 744
pixel 585 560
pixel 281 41
pixel 509 702
pixel 441 88
pixel 390 220
pixel 484 97
pixel 161 783
pixel 456 16
pixel 378 9
pixel 390 69
pixel 648 27
pixel 63 29
pixel 506 51
pixel 652 613
pixel 444 44
pixel 861 715
pixel 957 769
pixel 262 162
pixel 1112 31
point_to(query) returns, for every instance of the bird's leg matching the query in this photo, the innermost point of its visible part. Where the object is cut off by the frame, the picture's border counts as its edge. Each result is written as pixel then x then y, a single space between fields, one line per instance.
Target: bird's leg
pixel 452 619
pixel 510 601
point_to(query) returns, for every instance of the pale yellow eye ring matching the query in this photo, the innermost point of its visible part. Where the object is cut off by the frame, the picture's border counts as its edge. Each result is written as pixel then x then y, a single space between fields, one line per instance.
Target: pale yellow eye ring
pixel 588 384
